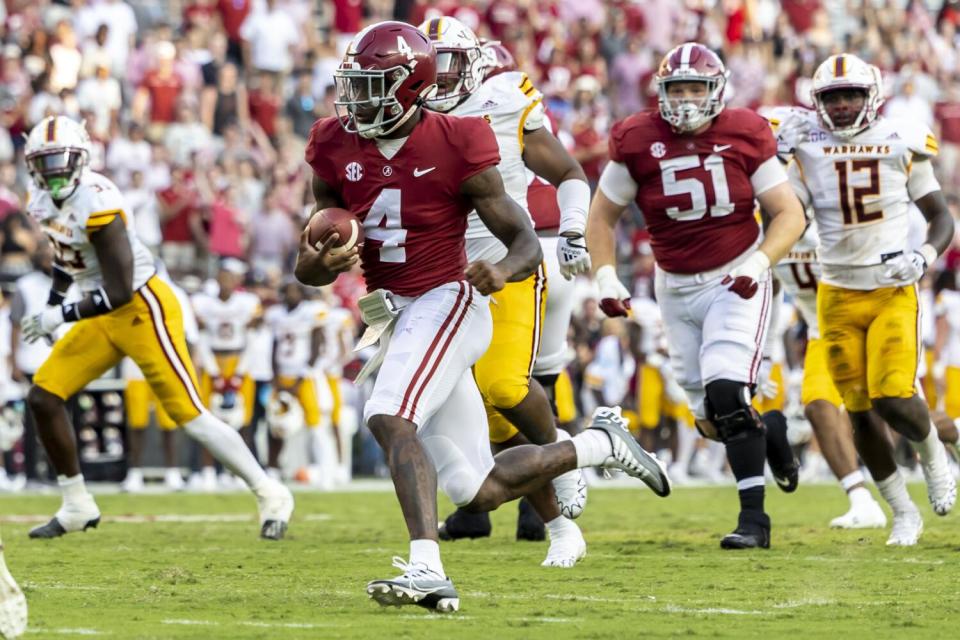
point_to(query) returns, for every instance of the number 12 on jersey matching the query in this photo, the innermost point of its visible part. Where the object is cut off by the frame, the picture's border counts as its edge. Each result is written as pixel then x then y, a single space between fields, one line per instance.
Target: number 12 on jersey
pixel 694 187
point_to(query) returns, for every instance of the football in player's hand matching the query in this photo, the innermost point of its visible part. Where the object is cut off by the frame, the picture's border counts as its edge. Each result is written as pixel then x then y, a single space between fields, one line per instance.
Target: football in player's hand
pixel 326 222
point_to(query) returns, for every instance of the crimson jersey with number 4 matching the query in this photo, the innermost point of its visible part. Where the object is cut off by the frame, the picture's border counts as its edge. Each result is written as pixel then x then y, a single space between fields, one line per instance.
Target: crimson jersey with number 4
pixel 696 191
pixel 414 216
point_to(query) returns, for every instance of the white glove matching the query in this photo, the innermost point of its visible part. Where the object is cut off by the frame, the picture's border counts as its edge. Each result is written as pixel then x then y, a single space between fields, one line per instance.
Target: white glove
pixel 42 325
pixel 767 387
pixel 572 256
pixel 908 268
pixel 745 279
pixel 792 131
pixel 614 297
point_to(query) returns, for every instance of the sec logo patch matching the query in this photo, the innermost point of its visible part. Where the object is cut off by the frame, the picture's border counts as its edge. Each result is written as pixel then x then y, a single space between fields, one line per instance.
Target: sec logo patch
pixel 658 149
pixel 354 172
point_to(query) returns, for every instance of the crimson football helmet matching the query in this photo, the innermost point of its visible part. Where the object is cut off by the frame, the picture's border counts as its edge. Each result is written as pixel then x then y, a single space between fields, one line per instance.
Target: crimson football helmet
pixel 691 62
pixel 389 69
pixel 497 59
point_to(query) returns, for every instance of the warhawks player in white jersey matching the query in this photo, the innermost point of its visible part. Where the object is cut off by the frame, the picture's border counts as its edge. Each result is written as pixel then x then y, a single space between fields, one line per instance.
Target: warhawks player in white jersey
pixel 859 173
pixel 514 109
pixel 126 310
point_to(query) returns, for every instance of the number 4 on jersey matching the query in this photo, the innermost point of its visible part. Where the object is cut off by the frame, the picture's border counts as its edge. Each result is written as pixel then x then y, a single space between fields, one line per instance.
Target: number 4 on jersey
pixel 384 225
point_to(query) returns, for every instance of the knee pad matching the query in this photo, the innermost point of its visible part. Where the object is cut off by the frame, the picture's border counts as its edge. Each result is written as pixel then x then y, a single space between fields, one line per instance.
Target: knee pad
pixel 729 409
pixel 505 392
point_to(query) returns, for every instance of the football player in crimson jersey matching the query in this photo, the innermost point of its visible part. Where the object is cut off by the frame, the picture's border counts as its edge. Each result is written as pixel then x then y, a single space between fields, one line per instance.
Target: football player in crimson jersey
pixel 412 176
pixel 694 170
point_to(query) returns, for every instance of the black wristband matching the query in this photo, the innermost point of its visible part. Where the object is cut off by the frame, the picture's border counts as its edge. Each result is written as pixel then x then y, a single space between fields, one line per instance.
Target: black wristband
pixel 71 312
pixel 54 298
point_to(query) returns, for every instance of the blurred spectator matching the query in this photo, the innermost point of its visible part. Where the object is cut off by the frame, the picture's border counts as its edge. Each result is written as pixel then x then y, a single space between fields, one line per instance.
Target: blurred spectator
pixel 265 104
pixel 101 96
pixel 121 28
pixel 156 99
pixel 187 136
pixel 65 59
pixel 95 53
pixel 270 38
pixel 228 233
pixel 273 236
pixel 947 112
pixel 347 21
pixel 127 154
pixel 233 13
pixel 909 105
pixel 143 204
pixel 302 108
pixel 225 103
pixel 181 223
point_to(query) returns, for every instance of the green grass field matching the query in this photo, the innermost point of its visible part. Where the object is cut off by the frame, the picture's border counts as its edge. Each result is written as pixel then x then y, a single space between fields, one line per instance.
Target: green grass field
pixel 653 570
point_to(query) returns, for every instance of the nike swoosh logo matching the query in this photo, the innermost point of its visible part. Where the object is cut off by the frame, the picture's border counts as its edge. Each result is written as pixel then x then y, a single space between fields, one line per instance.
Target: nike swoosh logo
pixel 418 172
pixel 717 148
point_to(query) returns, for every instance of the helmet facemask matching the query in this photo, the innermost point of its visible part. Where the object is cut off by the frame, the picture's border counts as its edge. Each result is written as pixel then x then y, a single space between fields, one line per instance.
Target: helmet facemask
pixel 458 76
pixel 866 116
pixel 366 101
pixel 57 171
pixel 686 114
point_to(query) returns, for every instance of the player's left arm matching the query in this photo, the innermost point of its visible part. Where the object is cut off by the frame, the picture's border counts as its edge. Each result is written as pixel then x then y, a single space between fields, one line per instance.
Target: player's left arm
pixel 927 195
pixel 112 246
pixel 545 156
pixel 510 224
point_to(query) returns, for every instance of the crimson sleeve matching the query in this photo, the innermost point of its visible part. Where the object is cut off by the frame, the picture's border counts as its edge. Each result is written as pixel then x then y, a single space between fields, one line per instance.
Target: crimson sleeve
pixel 480 149
pixel 314 153
pixel 764 145
pixel 613 143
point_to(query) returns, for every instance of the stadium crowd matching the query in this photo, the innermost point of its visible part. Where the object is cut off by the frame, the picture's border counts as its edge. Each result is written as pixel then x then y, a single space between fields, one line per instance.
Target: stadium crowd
pixel 199 111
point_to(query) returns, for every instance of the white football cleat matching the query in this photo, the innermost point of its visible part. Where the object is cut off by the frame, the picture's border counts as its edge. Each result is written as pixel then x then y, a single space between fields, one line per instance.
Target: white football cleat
pixel 276 506
pixel 79 515
pixel 941 487
pixel 566 550
pixel 907 528
pixel 868 515
pixel 133 483
pixel 13 604
pixel 172 479
pixel 418 585
pixel 571 490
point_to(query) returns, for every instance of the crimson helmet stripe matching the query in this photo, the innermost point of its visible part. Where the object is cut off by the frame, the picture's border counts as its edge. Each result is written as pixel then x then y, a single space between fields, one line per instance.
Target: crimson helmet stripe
pixel 51 129
pixel 839 67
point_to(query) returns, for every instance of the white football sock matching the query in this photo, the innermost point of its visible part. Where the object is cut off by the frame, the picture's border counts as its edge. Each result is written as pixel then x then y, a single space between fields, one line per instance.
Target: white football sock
pixel 73 489
pixel 427 552
pixel 593 447
pixel 930 448
pixel 894 491
pixel 560 527
pixel 686 442
pixel 228 447
pixel 562 435
pixel 851 480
